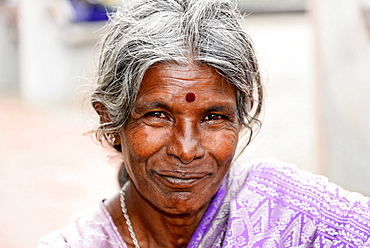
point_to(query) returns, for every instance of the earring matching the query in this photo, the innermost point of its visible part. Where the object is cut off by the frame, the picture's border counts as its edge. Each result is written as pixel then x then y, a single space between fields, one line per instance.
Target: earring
pixel 111 138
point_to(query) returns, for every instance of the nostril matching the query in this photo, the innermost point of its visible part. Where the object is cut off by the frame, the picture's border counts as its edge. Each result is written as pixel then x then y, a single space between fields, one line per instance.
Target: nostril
pixel 184 143
pixel 185 151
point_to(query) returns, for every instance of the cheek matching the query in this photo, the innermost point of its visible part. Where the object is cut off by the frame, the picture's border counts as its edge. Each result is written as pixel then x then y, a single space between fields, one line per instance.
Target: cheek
pixel 142 142
pixel 222 145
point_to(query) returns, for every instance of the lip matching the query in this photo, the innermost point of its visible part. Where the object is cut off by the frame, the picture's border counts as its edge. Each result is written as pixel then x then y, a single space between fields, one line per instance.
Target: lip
pixel 181 180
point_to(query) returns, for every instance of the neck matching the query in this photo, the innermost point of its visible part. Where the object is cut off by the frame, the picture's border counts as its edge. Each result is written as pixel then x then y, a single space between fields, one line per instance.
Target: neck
pixel 156 228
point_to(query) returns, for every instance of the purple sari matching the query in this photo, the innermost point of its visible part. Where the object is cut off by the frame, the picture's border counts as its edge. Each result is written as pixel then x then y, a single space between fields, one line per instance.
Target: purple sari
pixel 268 204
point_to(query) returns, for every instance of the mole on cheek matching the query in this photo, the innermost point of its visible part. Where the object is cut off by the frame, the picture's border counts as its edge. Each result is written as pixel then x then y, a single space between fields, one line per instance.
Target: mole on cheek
pixel 190 97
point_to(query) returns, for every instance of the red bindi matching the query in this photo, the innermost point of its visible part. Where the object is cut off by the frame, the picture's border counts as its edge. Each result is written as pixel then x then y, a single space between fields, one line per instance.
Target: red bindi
pixel 190 97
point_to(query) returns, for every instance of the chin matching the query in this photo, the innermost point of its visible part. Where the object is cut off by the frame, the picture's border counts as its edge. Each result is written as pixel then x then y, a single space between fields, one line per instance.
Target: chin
pixel 184 206
pixel 182 211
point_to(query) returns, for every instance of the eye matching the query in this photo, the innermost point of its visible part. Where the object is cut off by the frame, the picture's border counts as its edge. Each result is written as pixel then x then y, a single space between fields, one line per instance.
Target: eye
pixel 156 119
pixel 214 117
pixel 156 114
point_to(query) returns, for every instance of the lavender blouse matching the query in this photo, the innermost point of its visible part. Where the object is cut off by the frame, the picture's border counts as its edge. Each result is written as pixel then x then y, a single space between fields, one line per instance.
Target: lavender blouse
pixel 268 204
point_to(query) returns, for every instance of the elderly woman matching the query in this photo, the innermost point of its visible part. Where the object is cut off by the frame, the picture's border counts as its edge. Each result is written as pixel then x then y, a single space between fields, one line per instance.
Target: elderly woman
pixel 178 85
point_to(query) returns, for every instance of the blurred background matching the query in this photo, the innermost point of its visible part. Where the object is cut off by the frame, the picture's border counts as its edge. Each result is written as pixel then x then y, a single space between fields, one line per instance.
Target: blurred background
pixel 315 60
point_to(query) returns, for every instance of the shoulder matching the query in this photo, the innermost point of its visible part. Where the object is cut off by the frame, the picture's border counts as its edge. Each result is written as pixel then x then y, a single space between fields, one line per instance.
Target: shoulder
pixel 285 182
pixel 291 180
pixel 274 172
pixel 92 227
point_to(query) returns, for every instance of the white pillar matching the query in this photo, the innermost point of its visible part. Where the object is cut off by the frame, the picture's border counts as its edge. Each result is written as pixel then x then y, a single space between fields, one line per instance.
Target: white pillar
pixel 344 82
pixel 50 68
pixel 8 54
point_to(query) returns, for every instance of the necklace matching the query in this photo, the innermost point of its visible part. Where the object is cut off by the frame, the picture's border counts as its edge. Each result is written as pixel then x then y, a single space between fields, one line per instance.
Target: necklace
pixel 126 216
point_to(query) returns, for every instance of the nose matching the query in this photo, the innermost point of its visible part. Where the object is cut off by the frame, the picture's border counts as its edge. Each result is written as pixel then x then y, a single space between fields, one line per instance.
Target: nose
pixel 185 143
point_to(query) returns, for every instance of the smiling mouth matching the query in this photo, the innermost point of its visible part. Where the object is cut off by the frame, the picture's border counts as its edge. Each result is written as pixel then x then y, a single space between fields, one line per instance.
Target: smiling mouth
pixel 182 181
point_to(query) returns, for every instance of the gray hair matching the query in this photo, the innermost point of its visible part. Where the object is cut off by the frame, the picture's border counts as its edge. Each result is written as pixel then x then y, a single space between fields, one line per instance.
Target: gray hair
pixel 145 32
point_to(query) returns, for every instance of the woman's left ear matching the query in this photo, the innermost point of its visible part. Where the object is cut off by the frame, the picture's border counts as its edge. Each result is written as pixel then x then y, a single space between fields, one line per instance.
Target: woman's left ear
pixel 113 138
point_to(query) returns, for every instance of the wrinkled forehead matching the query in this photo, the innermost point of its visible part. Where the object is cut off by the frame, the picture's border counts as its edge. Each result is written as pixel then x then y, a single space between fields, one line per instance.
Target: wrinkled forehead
pixel 190 77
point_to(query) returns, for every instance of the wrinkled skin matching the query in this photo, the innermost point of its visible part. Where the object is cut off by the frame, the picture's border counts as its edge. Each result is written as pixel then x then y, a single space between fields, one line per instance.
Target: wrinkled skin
pixel 176 152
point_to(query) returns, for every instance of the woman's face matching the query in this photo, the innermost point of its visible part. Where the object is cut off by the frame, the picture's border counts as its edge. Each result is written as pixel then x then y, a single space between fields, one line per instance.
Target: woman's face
pixel 181 136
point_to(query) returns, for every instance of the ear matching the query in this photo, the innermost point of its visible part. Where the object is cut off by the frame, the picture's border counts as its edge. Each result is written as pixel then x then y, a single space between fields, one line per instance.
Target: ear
pixel 251 105
pixel 102 112
pixel 104 118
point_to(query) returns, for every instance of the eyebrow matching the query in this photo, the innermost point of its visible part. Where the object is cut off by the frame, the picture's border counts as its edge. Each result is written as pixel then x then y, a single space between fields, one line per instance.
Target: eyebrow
pixel 151 105
pixel 230 110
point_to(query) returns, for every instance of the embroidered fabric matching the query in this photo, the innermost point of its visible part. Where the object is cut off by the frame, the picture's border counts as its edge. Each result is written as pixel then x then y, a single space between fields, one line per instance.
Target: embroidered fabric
pixel 269 204
pixel 93 227
pixel 277 205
